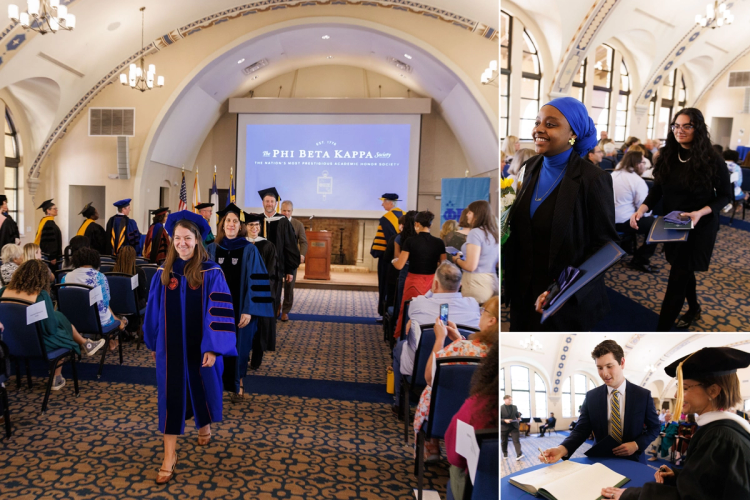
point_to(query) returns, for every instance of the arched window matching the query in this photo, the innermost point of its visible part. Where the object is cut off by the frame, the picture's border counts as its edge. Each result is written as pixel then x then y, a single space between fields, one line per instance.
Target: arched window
pixel 580 388
pixel 566 398
pixel 502 382
pixel 673 98
pixel 623 101
pixel 531 82
pixel 579 82
pixel 651 117
pixel 12 177
pixel 506 33
pixel 604 58
pixel 521 389
pixel 540 393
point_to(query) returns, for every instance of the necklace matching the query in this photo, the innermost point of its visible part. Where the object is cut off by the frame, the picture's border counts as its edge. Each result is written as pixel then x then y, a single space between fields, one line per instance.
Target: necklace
pixel 536 197
pixel 679 158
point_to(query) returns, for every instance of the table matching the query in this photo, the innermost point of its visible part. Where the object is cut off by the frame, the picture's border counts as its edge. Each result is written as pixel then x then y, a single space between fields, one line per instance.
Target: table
pixel 742 150
pixel 638 473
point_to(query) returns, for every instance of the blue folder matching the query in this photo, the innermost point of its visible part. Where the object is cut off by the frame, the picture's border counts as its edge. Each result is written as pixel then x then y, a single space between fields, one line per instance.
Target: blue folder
pixel 593 267
pixel 660 234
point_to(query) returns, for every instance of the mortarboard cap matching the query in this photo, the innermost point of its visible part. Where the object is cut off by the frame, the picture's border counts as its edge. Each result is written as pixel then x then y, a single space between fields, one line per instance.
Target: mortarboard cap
pixel 160 211
pixel 201 206
pixel 46 205
pixel 122 203
pixel 196 219
pixel 232 208
pixel 254 218
pixel 710 362
pixel 269 191
pixel 390 196
pixel 88 210
pixel 3 199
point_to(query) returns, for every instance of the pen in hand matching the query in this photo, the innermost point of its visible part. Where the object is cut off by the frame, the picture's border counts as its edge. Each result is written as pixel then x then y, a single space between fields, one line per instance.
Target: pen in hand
pixel 543 455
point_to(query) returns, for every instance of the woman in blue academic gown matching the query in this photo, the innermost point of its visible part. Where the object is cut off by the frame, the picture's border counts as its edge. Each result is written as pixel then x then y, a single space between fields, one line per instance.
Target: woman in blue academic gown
pixel 190 326
pixel 248 283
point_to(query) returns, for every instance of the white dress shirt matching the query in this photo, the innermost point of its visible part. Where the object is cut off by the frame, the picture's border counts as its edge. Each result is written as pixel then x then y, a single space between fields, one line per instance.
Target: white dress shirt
pixel 621 393
pixel 630 192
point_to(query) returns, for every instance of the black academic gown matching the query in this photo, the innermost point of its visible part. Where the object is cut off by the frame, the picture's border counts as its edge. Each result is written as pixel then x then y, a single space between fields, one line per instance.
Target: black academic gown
pixel 51 241
pixel 98 238
pixel 717 467
pixel 8 231
pixel 265 339
pixel 280 232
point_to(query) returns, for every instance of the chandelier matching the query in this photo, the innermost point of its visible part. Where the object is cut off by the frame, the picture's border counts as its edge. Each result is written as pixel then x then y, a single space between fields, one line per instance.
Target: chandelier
pixel 490 73
pixel 137 77
pixel 531 344
pixel 717 12
pixel 43 16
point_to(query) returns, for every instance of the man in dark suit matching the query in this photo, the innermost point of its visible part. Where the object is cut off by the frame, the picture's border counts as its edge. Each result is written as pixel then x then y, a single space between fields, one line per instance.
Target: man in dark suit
pixel 551 421
pixel 510 418
pixel 619 409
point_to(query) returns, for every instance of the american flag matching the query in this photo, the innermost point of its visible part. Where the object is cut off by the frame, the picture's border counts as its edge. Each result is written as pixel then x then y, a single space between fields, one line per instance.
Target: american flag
pixel 183 195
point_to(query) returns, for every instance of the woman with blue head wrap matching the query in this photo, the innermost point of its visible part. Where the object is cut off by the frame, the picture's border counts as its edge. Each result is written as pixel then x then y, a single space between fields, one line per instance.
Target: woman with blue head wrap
pixel 563 214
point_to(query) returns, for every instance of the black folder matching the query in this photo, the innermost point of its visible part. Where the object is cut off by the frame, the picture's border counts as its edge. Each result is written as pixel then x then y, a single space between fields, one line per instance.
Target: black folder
pixel 661 234
pixel 603 449
pixel 597 264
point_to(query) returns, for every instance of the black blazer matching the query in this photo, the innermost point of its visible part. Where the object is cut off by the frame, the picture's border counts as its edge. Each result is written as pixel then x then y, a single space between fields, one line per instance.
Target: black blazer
pixel 510 413
pixel 584 221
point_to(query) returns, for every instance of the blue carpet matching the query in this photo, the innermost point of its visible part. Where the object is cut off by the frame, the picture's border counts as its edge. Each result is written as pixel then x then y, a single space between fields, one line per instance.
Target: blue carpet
pixel 737 224
pixel 333 319
pixel 626 315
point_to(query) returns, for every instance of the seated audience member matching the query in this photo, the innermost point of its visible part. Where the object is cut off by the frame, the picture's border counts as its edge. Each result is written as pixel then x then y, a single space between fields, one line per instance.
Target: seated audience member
pixel 630 191
pixel 551 421
pixel 719 149
pixel 448 227
pixel 480 254
pixel 511 145
pixel 596 155
pixel 76 243
pixel 422 311
pixel 661 416
pixel 609 160
pixel 516 170
pixel 629 142
pixel 12 257
pixel 86 262
pixel 666 439
pixel 126 264
pixel 424 253
pixel 32 251
pixel 480 410
pixel 731 157
pixel 478 344
pixel 30 282
pixel 457 238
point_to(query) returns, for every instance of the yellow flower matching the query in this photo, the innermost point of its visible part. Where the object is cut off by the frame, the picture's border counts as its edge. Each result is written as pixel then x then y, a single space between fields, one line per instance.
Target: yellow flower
pixel 506 183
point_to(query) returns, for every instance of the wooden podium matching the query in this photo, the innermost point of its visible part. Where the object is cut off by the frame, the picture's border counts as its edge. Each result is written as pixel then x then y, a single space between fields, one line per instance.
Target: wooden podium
pixel 318 259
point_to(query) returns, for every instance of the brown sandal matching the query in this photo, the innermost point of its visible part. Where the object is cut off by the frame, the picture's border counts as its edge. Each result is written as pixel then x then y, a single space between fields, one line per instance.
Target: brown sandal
pixel 170 473
pixel 203 439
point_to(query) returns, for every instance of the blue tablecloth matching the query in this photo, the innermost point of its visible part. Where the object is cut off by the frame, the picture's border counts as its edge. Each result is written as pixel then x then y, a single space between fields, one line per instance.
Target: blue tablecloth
pixel 742 150
pixel 638 473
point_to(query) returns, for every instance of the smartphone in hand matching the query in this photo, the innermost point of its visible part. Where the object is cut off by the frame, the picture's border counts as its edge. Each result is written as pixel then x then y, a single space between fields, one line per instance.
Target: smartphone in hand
pixel 444 313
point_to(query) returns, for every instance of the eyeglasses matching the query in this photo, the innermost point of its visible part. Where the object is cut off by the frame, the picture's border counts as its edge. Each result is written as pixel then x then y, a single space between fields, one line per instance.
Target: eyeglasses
pixel 481 310
pixel 687 388
pixel 676 126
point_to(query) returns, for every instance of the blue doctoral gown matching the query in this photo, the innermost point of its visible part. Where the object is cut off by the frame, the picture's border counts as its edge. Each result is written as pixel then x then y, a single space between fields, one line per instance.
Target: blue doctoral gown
pixel 122 230
pixel 249 285
pixel 181 325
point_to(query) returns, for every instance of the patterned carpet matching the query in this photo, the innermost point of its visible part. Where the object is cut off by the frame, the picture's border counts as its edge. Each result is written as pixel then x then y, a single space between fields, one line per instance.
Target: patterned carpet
pixel 722 291
pixel 316 424
pixel 335 303
pixel 530 449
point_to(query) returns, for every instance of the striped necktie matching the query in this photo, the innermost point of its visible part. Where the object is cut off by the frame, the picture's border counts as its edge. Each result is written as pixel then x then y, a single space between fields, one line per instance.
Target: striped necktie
pixel 616 419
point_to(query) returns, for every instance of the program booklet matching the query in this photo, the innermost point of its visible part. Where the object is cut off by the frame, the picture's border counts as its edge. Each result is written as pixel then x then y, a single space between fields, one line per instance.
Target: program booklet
pixel 569 480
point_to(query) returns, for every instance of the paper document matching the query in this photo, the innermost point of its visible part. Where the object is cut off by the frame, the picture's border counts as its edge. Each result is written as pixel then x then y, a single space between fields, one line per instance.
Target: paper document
pixel 569 481
pixel 427 494
pixel 95 295
pixel 134 282
pixel 36 312
pixel 467 446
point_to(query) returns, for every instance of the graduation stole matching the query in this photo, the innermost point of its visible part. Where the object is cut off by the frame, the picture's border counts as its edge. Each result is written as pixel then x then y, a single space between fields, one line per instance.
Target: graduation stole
pixel 84 227
pixel 120 239
pixel 39 229
pixel 392 218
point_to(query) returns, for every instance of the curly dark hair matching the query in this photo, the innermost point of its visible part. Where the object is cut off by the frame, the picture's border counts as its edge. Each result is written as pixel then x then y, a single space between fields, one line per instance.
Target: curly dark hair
pixel 485 383
pixel 31 277
pixel 700 168
pixel 408 223
pixel 425 218
pixel 86 257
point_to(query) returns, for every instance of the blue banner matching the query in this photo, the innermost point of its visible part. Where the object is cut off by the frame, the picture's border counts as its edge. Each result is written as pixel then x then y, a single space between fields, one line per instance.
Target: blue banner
pixel 457 194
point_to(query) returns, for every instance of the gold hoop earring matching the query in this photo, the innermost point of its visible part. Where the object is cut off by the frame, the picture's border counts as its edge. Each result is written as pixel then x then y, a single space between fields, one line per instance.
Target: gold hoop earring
pixel 572 141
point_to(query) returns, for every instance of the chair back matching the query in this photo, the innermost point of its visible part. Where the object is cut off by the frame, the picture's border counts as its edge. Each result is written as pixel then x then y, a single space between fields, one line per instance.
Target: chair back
pixel 423 353
pixel 122 298
pixel 59 275
pixel 4 362
pixel 450 388
pixel 73 302
pixel 140 261
pixel 23 341
pixel 106 268
pixel 486 479
pixel 106 259
pixel 745 179
pixel 405 319
pixel 150 271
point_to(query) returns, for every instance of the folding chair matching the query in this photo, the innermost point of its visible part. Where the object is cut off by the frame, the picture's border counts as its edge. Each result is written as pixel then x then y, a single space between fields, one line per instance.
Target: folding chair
pixel 72 301
pixel 106 268
pixel 59 275
pixel 150 270
pixel 745 188
pixel 4 377
pixel 450 388
pixel 124 299
pixel 26 342
pixel 414 384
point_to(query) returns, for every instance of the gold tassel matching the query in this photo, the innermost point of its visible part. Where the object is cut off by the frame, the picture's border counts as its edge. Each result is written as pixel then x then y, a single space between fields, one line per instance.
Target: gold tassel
pixel 680 393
